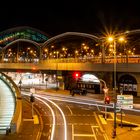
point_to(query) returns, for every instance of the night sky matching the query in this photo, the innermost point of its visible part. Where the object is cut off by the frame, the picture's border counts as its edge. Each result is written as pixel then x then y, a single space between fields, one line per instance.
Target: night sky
pixel 55 17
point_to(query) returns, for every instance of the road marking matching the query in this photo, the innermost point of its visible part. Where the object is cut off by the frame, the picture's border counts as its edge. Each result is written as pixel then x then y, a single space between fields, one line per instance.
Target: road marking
pixel 119 114
pixel 136 128
pixel 109 119
pixel 84 135
pixel 95 126
pixel 124 120
pixel 79 115
pixel 102 119
pixel 72 132
pixel 85 108
pixel 77 124
pixel 94 132
pixel 49 137
pixel 38 136
pixel 27 119
pixel 101 128
pixel 36 120
pixel 105 136
pixel 69 110
pixel 98 122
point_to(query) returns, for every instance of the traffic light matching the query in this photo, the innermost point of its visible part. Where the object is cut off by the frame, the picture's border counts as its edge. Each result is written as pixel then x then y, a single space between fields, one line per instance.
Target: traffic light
pixel 107 100
pixel 32 98
pixel 76 75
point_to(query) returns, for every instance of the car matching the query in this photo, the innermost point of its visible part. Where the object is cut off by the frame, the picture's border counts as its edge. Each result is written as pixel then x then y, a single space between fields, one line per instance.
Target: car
pixel 80 91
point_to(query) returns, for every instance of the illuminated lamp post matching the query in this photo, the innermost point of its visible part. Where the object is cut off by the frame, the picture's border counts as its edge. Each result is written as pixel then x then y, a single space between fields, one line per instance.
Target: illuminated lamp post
pixel 113 40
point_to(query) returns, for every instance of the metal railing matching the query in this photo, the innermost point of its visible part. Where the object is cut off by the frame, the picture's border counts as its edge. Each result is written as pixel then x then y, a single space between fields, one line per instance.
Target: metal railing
pixel 95 59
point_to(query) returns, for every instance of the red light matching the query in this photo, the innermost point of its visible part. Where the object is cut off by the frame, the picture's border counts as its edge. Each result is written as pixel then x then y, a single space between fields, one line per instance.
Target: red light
pixel 107 99
pixel 76 75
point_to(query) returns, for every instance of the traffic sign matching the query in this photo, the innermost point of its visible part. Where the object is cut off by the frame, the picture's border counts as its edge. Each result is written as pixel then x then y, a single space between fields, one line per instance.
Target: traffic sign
pixel 32 90
pixel 125 101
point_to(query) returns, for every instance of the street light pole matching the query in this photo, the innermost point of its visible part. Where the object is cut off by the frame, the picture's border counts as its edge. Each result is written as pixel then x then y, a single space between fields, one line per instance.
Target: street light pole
pixel 111 39
pixel 115 94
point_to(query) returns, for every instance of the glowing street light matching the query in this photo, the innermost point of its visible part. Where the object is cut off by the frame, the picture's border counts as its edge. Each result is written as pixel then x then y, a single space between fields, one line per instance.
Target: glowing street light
pixel 111 39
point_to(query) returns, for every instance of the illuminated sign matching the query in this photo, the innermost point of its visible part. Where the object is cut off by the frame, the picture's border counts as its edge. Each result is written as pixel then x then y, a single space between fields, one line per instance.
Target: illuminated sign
pixel 125 101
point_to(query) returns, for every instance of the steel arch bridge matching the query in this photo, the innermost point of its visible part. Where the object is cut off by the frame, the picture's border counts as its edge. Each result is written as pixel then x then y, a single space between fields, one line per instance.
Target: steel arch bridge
pixel 23 32
pixel 35 36
pixel 67 34
pixel 41 40
pixel 40 37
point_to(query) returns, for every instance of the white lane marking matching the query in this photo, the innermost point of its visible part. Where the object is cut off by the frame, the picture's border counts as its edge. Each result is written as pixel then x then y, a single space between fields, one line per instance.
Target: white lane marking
pixel 69 110
pixel 84 135
pixel 65 125
pixel 53 124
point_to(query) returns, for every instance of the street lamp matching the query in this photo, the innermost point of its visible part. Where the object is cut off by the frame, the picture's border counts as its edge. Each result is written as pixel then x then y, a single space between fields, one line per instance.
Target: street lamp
pixel 115 101
pixel 113 40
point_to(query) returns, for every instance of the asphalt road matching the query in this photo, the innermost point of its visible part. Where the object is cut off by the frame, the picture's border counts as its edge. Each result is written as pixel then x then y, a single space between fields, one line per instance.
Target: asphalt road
pixel 81 121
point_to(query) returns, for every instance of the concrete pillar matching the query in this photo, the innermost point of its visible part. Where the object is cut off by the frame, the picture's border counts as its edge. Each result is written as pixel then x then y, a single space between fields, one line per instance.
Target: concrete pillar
pixel 103 53
pixel 42 75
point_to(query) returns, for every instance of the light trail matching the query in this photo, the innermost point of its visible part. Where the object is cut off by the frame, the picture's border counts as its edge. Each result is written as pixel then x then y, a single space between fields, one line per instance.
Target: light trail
pixel 53 124
pixel 53 115
pixel 65 124
pixel 86 102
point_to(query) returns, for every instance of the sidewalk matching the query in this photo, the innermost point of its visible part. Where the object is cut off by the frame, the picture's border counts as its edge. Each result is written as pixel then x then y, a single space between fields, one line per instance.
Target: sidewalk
pixel 130 129
pixel 28 130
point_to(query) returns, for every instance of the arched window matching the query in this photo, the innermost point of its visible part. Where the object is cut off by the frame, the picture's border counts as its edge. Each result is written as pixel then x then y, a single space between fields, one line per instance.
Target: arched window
pixel 128 85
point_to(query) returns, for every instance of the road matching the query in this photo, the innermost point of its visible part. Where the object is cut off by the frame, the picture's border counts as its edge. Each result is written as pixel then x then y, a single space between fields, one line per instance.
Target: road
pixel 77 120
pixel 81 121
pixel 73 121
